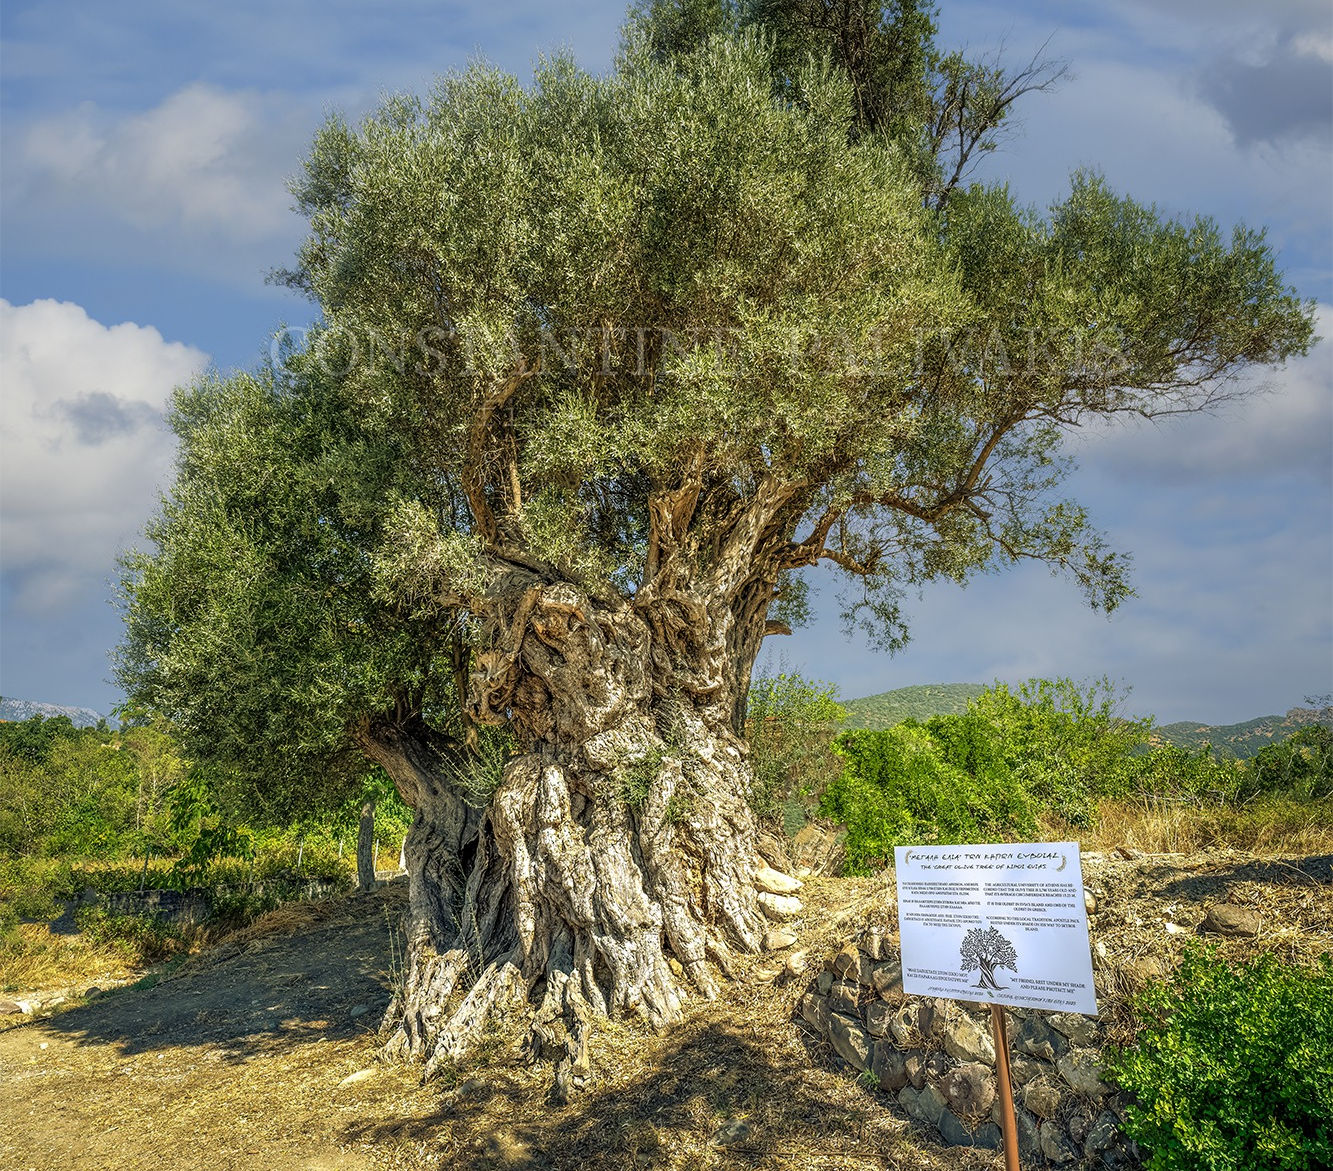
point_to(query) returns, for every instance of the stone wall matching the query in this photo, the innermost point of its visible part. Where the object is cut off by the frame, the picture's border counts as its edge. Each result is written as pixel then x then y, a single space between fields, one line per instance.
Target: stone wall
pixel 937 1059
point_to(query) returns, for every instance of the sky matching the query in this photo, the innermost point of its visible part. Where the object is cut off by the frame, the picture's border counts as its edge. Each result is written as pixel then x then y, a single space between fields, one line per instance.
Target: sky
pixel 144 151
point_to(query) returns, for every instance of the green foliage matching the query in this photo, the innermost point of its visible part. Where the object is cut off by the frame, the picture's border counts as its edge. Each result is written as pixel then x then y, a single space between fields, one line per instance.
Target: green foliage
pixel 898 786
pixel 1301 766
pixel 790 723
pixel 1233 1067
pixel 141 937
pixel 204 832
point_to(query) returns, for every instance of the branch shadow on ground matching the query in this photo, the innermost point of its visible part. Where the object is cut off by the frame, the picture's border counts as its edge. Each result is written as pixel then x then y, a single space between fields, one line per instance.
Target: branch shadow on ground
pixel 262 997
pixel 720 1094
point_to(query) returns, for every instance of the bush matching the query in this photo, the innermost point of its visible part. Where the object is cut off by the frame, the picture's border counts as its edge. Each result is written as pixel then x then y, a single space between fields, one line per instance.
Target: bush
pixel 1233 1068
pixel 899 787
pixel 790 725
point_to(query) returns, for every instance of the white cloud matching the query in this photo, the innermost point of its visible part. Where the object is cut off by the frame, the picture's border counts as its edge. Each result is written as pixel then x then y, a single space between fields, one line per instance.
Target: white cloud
pixel 1282 424
pixel 84 445
pixel 204 160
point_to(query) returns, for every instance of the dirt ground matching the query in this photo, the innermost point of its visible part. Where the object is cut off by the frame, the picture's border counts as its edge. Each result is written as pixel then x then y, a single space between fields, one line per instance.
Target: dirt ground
pixel 261 1052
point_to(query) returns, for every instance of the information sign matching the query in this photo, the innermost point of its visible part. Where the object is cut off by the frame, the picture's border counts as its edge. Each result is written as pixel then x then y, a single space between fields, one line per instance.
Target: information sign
pixel 1004 925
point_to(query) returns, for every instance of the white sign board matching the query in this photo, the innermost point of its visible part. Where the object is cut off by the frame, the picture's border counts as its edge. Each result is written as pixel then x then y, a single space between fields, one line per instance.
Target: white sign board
pixel 999 924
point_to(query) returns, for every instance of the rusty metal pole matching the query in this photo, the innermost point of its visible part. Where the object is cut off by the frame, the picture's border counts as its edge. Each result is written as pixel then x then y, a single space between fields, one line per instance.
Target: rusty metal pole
pixel 1008 1124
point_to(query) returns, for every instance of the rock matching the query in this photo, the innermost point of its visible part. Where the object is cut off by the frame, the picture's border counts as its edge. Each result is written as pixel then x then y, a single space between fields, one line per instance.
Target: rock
pixel 92 993
pixel 767 973
pixel 1042 1097
pixel 1144 970
pixel 775 882
pixel 361 1075
pixel 887 979
pixel 1054 1145
pixel 823 982
pixel 778 938
pixel 795 966
pixel 1078 1028
pixel 938 1066
pixel 847 960
pixel 815 1011
pixel 915 1065
pixel 988 1137
pixel 1024 1069
pixel 677 968
pixel 779 907
pixel 737 1130
pixel 1089 901
pixel 10 1008
pixel 969 1090
pixel 1037 1039
pixel 956 1133
pixel 889 1066
pixel 845 998
pixel 877 1018
pixel 1029 1134
pixel 851 1042
pixel 1083 1073
pixel 872 942
pixel 1078 1124
pixel 966 1040
pixel 902 1026
pixel 927 1018
pixel 925 1105
pixel 818 850
pixel 1102 1134
pixel 1228 919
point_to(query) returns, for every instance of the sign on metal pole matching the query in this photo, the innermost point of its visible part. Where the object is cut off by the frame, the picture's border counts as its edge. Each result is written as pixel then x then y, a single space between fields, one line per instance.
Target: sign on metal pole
pixel 1005 925
pixel 998 924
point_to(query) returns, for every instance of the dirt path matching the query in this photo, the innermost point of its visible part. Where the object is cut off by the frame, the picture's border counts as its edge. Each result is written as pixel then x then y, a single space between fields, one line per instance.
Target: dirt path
pixel 235 1056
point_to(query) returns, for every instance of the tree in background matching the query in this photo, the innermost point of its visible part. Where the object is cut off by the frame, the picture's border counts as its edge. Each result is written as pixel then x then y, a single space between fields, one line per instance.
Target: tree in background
pixel 604 363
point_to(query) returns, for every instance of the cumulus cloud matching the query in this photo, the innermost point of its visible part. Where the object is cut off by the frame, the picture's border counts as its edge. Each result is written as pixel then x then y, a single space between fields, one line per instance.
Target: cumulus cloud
pixel 203 159
pixel 84 445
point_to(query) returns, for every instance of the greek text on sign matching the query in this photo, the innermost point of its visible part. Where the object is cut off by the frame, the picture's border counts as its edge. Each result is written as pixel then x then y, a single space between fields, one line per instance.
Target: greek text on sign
pixel 1002 924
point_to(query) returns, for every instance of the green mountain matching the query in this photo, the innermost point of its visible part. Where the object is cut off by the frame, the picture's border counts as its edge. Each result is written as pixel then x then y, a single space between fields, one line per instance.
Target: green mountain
pixel 914 703
pixel 1241 740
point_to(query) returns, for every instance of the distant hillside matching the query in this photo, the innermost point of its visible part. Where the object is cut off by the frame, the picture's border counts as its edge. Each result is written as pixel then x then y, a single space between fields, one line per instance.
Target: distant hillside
pixel 910 703
pixel 1241 740
pixel 25 709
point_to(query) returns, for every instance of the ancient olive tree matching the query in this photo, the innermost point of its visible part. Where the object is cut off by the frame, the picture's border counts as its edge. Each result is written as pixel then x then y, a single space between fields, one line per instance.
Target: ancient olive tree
pixel 604 362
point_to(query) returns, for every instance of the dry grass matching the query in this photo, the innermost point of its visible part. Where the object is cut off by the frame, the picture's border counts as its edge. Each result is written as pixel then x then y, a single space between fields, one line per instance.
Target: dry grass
pixel 34 957
pixel 1163 825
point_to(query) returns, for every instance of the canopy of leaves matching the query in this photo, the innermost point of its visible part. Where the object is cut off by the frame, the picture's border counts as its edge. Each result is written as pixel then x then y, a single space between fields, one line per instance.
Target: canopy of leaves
pixel 692 326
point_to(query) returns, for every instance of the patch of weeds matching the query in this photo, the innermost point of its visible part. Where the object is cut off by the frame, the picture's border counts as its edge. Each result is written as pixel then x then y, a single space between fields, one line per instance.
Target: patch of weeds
pixel 636 777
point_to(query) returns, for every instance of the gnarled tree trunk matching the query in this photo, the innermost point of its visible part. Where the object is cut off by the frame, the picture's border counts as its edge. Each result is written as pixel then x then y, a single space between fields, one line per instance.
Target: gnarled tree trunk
pixel 613 869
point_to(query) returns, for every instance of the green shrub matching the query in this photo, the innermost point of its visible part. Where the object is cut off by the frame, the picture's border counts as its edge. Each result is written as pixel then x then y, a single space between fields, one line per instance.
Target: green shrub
pixel 1301 766
pixel 1233 1068
pixel 139 937
pixel 790 722
pixel 899 787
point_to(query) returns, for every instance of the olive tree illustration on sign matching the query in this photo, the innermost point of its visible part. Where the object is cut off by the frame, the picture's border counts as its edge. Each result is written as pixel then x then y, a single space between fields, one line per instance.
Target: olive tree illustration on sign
pixel 984 951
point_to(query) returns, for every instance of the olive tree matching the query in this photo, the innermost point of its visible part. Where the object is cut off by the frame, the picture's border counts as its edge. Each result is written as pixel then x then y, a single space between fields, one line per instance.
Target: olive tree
pixel 605 363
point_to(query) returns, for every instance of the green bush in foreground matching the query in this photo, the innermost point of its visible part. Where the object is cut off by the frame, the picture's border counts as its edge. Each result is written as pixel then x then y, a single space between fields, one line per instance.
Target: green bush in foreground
pixel 1233 1069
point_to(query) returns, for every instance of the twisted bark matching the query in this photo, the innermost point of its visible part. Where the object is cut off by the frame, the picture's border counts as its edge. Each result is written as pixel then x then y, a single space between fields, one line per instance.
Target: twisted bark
pixel 612 871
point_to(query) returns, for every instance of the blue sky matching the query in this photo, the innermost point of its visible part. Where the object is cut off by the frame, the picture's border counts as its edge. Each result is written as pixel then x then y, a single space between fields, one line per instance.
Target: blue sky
pixel 142 164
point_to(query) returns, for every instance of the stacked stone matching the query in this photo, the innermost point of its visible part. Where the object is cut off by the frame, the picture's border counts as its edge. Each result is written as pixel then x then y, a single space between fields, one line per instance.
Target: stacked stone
pixel 937 1057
